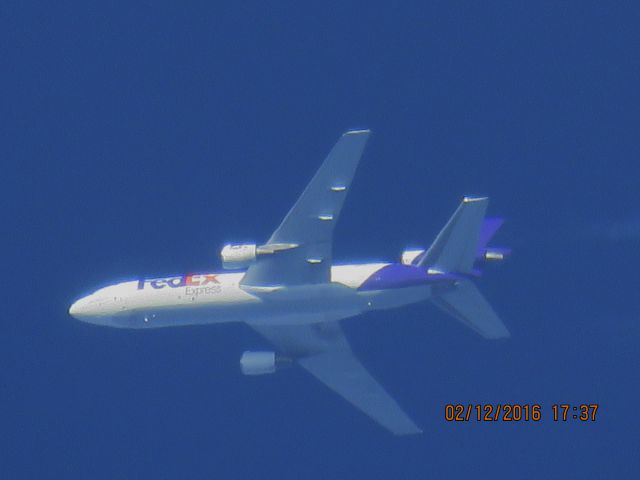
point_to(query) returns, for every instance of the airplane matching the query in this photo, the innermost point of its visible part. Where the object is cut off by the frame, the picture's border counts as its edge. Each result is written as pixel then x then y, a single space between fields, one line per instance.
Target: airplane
pixel 290 291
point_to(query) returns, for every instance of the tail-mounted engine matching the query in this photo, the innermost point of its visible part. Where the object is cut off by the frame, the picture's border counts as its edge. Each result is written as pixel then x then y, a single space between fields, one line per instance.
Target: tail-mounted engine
pixel 494 254
pixel 409 255
pixel 261 363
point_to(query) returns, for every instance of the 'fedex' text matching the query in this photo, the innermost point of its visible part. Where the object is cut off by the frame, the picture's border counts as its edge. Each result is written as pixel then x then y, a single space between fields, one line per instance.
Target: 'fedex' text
pixel 179 281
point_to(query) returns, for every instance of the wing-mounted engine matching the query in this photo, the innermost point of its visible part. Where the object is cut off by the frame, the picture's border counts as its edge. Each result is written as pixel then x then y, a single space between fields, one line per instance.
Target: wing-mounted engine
pixel 236 256
pixel 262 363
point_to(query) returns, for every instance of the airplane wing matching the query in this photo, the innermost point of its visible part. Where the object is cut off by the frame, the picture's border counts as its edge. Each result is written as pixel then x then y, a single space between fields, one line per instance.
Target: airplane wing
pixel 323 350
pixel 307 230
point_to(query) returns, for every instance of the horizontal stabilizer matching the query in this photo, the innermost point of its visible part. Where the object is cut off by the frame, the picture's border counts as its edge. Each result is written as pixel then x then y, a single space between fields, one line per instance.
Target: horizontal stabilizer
pixel 465 303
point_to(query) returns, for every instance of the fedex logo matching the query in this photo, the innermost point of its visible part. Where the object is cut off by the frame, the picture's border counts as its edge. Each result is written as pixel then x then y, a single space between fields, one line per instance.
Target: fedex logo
pixel 191 280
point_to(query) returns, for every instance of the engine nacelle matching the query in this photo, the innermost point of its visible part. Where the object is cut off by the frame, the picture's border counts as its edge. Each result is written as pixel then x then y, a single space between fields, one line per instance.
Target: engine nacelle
pixel 495 254
pixel 408 256
pixel 238 256
pixel 261 363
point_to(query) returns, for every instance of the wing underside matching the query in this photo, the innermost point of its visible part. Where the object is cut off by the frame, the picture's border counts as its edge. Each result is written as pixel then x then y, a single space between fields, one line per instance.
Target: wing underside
pixel 319 345
pixel 310 223
pixel 323 350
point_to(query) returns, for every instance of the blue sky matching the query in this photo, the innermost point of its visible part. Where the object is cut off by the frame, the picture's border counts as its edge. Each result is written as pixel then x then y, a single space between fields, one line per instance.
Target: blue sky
pixel 138 137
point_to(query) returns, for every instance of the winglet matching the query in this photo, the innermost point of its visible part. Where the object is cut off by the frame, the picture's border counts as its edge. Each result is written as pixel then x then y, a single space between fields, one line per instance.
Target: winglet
pixel 357 132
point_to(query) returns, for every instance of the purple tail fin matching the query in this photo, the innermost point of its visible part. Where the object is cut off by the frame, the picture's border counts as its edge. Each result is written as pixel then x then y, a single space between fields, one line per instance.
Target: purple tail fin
pixel 489 228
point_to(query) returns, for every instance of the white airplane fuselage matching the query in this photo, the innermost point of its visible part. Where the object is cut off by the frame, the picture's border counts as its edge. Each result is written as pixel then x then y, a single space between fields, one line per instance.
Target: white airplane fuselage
pixel 210 298
pixel 290 292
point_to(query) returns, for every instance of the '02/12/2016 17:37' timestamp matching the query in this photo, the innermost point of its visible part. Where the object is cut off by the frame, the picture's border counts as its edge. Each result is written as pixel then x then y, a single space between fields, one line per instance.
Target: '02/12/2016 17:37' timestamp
pixel 519 412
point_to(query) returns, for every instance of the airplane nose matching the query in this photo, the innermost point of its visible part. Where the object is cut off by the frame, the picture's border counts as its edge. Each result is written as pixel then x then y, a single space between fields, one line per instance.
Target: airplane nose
pixel 73 309
pixel 78 308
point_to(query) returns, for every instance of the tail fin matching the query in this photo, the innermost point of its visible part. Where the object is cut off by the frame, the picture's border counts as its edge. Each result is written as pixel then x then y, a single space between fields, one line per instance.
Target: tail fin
pixel 461 242
pixel 465 303
pixel 456 246
pixel 490 226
